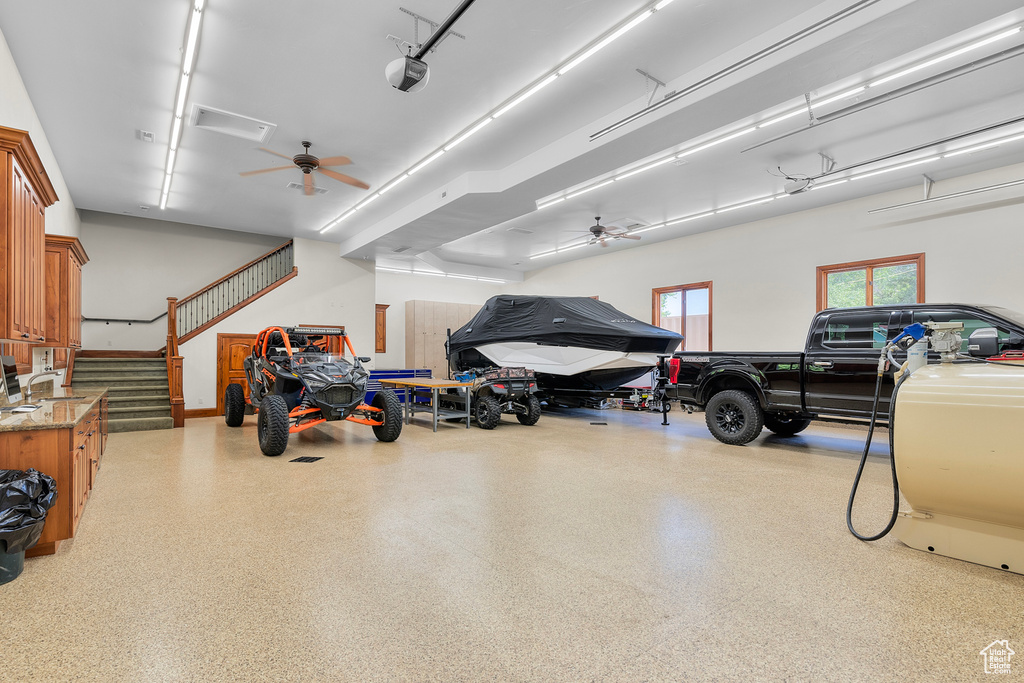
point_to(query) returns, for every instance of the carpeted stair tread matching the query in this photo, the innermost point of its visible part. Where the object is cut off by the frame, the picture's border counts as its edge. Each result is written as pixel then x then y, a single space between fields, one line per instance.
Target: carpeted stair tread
pixel 139 424
pixel 137 390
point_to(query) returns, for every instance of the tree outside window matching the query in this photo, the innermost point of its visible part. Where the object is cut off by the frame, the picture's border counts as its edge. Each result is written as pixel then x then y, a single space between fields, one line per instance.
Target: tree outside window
pixel 880 282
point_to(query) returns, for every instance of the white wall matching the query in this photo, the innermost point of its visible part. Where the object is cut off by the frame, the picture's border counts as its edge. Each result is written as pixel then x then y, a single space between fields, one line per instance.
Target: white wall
pixel 395 289
pixel 764 272
pixel 136 263
pixel 16 111
pixel 329 290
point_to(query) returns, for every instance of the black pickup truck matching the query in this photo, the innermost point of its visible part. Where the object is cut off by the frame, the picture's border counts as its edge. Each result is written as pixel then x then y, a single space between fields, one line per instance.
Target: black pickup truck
pixel 834 376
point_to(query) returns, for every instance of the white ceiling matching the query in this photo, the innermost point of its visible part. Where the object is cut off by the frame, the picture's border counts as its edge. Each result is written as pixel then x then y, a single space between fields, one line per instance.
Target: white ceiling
pixel 98 71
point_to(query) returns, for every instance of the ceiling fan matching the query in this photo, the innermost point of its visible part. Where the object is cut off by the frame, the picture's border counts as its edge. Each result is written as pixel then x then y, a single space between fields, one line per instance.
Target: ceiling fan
pixel 601 234
pixel 308 163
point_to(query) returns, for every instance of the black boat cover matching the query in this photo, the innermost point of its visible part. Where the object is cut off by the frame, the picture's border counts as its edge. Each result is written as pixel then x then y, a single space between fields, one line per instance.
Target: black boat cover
pixel 561 321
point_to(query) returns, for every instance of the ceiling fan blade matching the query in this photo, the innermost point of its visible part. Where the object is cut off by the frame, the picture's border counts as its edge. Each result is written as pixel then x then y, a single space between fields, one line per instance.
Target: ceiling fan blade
pixel 307 182
pixel 266 170
pixel 343 178
pixel 632 237
pixel 603 241
pixel 276 154
pixel 335 161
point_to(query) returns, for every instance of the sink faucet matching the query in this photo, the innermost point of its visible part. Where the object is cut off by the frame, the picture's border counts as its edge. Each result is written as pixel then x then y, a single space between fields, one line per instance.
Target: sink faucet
pixel 28 388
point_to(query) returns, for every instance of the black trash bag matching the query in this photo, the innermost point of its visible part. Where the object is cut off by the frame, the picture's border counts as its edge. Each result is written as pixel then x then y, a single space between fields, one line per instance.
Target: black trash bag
pixel 25 497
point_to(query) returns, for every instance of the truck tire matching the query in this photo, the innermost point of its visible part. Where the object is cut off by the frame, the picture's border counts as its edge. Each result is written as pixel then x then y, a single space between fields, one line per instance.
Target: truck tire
pixel 785 424
pixel 487 412
pixel 532 413
pixel 272 425
pixel 234 405
pixel 391 410
pixel 734 417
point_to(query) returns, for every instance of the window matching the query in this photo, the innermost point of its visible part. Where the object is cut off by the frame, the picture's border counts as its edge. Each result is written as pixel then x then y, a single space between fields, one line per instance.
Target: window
pixel 1007 339
pixel 856 330
pixel 882 282
pixel 685 309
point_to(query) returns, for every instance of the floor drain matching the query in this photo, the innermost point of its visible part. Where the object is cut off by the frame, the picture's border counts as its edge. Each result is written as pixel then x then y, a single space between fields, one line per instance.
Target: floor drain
pixel 306 458
pixel 600 423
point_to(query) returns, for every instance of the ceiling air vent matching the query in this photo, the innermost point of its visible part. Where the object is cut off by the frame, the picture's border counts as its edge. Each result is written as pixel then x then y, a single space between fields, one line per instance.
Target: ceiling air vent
pixel 227 123
pixel 302 188
pixel 521 231
pixel 399 250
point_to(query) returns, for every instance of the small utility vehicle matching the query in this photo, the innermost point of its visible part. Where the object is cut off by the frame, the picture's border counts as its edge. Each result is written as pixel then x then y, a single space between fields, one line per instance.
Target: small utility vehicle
pixel 503 390
pixel 295 383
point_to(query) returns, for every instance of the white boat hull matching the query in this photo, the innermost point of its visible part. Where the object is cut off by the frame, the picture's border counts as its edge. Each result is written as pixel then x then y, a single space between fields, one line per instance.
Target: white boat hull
pixel 564 360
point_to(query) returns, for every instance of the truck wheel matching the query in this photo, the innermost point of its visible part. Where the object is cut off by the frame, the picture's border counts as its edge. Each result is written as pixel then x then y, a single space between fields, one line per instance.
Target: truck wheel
pixel 234 405
pixel 391 408
pixel 734 417
pixel 487 412
pixel 272 425
pixel 785 424
pixel 532 413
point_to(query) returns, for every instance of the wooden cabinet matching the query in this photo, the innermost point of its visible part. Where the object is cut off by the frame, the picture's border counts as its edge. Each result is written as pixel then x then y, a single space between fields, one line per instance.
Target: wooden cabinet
pixel 25 192
pixel 72 456
pixel 426 331
pixel 64 260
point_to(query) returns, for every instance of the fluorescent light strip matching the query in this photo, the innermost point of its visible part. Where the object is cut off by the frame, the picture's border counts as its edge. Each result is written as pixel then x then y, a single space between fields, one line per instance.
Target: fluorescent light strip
pixel 645 168
pixel 543 254
pixel 575 246
pixel 491 279
pixel 942 58
pixel 181 96
pixel 719 141
pixel 547 204
pixel 372 197
pixel 175 132
pixel 586 54
pixel 690 218
pixel 648 228
pixel 432 158
pixel 840 96
pixel 987 145
pixel 338 220
pixel 547 81
pixel 457 141
pixel 763 200
pixel 894 168
pixel 392 184
pixel 829 184
pixel 588 189
pixel 783 117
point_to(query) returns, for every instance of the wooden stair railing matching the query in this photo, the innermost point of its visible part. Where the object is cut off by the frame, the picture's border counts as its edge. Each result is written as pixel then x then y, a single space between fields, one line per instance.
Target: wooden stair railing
pixel 175 365
pixel 202 310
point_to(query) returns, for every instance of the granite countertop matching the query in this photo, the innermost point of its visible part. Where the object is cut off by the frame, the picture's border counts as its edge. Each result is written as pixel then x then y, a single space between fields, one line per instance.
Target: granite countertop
pixel 60 408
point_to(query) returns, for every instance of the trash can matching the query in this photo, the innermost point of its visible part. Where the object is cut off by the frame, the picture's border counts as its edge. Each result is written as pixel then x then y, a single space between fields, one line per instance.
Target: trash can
pixel 25 497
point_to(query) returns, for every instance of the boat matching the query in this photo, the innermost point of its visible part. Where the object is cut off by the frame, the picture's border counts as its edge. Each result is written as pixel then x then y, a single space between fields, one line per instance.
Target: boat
pixel 576 345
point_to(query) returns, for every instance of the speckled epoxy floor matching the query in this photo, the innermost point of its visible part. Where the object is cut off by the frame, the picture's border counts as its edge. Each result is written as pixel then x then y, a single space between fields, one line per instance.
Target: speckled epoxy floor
pixel 561 552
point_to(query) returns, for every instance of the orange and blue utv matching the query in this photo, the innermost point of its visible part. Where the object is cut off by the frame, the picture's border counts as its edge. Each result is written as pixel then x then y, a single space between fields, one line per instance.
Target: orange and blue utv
pixel 295 383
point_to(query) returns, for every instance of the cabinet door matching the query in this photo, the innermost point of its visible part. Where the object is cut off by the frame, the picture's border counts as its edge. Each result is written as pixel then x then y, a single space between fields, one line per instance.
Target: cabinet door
pixel 74 303
pixel 55 305
pixel 26 236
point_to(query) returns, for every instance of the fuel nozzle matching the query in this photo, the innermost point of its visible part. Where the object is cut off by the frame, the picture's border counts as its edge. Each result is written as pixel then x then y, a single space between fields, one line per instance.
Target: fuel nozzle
pixel 910 335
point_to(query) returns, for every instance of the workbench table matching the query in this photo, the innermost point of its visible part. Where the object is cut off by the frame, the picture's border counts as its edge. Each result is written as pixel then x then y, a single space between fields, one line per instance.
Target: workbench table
pixel 420 386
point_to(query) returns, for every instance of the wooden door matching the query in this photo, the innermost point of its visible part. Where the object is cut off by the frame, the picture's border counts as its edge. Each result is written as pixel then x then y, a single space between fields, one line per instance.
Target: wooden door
pixel 231 352
pixel 380 325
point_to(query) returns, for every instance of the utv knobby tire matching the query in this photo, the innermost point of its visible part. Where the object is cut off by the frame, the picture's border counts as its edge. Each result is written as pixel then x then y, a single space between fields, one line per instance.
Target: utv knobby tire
pixel 272 425
pixel 785 425
pixel 391 411
pixel 234 405
pixel 487 412
pixel 532 413
pixel 734 417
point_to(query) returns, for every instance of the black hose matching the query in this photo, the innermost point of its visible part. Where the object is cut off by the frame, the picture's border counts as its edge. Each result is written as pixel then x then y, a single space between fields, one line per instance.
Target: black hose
pixel 892 462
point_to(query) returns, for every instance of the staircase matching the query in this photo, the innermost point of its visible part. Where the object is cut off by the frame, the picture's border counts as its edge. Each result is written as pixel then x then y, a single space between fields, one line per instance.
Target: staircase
pixel 138 393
